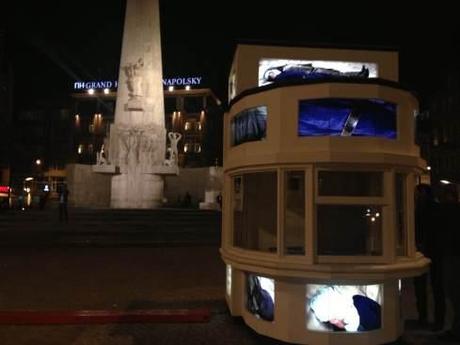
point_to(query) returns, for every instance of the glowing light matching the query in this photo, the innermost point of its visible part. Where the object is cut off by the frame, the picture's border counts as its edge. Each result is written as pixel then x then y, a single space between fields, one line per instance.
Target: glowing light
pixel 91 91
pixel 106 91
pixel 171 88
pixel 428 168
pixel 445 182
pixel 29 178
pixel 187 87
pixel 377 214
pixel 38 161
pixel 229 281
pixel 373 219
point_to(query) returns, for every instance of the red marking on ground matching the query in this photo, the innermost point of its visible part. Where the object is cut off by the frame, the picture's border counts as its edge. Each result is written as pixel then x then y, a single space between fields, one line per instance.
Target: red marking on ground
pixel 33 317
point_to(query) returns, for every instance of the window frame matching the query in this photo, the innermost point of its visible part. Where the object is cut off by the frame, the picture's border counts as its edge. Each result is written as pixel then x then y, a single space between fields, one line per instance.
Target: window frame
pixel 383 201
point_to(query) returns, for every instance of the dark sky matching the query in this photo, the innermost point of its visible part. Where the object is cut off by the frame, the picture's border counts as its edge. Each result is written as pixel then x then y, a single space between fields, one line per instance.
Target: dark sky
pixel 55 42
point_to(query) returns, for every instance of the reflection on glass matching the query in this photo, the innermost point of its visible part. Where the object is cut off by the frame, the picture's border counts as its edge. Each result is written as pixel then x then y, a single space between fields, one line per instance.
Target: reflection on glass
pixel 260 296
pixel 255 211
pixel 349 230
pixel 344 308
pixel 294 213
pixel 350 183
pixel 401 232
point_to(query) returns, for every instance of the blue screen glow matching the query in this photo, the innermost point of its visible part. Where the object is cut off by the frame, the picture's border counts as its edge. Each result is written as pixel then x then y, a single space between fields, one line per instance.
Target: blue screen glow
pixel 249 125
pixel 347 117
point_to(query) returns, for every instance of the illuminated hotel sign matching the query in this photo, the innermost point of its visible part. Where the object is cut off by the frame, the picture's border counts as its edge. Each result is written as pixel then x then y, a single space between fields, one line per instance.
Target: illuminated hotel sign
pixel 110 84
pixel 182 81
pixel 99 84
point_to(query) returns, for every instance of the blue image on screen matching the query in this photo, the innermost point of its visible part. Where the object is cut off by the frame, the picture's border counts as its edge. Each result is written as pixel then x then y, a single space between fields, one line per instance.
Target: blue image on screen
pixel 347 117
pixel 249 125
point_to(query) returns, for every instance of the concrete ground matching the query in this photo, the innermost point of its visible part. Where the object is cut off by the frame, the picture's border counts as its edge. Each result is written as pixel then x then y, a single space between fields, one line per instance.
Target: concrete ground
pixel 123 278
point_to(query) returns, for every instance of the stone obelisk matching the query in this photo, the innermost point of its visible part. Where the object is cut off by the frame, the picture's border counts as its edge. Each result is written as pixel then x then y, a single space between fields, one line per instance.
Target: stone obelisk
pixel 137 138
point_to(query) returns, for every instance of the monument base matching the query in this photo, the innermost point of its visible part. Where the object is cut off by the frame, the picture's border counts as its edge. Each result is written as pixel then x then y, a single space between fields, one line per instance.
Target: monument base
pixel 137 191
pixel 209 206
pixel 108 169
pixel 164 170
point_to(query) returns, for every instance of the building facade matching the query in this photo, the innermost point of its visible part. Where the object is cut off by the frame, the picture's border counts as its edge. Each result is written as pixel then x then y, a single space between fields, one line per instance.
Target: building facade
pixel 320 166
pixel 438 133
pixel 6 93
pixel 195 113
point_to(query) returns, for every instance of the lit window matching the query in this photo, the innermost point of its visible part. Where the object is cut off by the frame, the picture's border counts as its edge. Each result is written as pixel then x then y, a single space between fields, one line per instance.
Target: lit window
pixel 187 126
pixel 186 147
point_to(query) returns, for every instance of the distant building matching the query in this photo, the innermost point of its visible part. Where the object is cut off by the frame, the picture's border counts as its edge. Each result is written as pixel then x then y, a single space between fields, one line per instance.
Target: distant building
pixel 41 146
pixel 6 92
pixel 194 112
pixel 438 133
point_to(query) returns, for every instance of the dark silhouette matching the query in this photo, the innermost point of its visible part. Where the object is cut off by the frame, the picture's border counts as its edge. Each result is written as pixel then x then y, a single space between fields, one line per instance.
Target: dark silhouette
pixel 63 200
pixel 43 200
pixel 450 210
pixel 429 240
pixel 219 200
pixel 187 202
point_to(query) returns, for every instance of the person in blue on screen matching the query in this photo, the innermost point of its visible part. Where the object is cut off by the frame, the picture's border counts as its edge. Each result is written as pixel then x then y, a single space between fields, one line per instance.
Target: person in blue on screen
pixel 339 311
pixel 260 300
pixel 293 71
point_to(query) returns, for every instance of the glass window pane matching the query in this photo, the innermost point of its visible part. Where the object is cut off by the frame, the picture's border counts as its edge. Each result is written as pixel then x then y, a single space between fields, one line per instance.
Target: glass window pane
pixel 294 213
pixel 349 230
pixel 255 211
pixel 400 205
pixel 350 183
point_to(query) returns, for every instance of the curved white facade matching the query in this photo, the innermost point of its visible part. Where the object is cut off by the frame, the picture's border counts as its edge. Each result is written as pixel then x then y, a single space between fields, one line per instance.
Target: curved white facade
pixel 319 215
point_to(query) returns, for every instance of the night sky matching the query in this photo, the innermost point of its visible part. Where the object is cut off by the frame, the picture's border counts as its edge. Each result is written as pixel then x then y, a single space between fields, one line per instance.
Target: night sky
pixel 53 43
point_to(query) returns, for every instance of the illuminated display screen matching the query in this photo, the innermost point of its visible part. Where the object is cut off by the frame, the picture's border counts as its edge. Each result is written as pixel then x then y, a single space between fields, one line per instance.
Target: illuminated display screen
pixel 344 308
pixel 260 296
pixel 249 125
pixel 229 280
pixel 276 70
pixel 347 117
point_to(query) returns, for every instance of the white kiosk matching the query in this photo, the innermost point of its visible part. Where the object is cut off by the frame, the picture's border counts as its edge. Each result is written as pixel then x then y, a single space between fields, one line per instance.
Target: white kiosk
pixel 320 166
